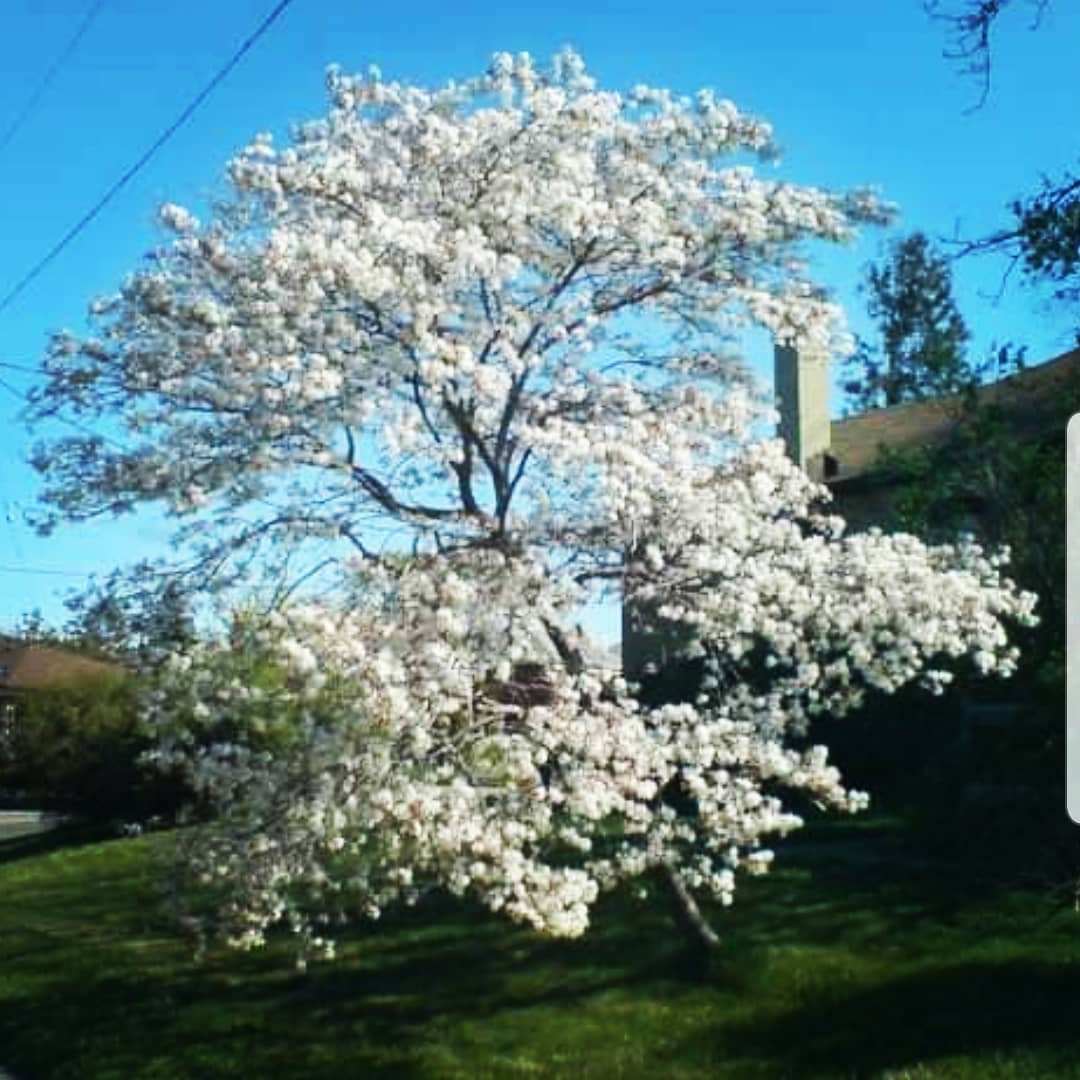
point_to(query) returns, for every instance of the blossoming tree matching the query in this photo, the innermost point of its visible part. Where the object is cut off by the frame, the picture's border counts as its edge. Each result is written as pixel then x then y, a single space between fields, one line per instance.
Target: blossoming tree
pixel 481 339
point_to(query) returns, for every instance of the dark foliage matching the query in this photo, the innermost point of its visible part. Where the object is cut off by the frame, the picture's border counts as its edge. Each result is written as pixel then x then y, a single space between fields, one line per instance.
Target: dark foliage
pixel 980 772
pixel 75 748
pixel 922 335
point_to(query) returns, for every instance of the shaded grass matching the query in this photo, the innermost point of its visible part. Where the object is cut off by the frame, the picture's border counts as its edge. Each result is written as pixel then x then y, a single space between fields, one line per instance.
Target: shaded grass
pixel 853 959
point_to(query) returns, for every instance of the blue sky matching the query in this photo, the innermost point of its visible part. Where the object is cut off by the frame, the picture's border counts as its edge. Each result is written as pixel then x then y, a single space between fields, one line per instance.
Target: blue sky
pixel 858 94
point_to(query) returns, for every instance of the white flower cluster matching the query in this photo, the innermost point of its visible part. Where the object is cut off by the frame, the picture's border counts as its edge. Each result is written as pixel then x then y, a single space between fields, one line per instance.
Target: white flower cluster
pixel 490 325
pixel 445 278
pixel 738 557
pixel 438 730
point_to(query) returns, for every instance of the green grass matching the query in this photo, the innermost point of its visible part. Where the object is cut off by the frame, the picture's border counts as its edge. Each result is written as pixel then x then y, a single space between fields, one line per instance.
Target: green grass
pixel 851 960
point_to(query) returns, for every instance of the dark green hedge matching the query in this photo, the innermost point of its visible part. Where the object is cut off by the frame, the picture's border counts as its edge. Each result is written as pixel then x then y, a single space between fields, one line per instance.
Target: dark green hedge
pixel 75 748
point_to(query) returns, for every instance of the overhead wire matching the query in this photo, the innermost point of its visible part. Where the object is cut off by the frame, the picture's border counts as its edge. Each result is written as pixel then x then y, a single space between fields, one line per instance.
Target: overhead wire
pixel 46 80
pixel 185 115
pixel 100 205
pixel 29 369
pixel 5 385
pixel 44 570
pixel 24 399
pixel 83 429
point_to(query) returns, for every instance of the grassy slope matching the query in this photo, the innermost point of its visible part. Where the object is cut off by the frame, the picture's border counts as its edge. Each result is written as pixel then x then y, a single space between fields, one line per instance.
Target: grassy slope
pixel 839 964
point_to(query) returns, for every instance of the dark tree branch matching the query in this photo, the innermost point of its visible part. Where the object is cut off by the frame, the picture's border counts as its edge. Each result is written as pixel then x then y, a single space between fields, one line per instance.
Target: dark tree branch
pixel 570 656
pixel 418 397
pixel 969 33
pixel 694 925
pixel 463 470
pixel 385 498
pixel 519 472
pixel 471 440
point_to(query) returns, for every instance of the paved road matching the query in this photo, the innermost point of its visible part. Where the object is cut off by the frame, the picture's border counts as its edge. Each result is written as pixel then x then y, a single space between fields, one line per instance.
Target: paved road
pixel 15 823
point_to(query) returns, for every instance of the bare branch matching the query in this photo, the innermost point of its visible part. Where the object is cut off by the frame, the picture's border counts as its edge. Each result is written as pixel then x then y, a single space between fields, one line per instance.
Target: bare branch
pixel 969 33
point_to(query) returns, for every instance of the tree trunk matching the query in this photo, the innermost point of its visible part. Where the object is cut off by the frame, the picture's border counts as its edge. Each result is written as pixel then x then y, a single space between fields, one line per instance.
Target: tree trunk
pixel 700 935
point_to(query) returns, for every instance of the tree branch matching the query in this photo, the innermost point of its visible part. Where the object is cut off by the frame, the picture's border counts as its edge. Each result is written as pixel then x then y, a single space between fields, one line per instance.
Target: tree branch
pixel 687 913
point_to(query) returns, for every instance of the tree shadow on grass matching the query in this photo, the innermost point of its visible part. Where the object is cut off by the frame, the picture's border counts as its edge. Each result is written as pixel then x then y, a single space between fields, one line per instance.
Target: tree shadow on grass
pixel 865 893
pixel 373 1013
pixel 133 1002
pixel 970 1009
pixel 464 962
pixel 31 845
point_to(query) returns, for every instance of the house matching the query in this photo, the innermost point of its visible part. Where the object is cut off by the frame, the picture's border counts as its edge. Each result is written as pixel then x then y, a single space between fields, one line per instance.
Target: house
pixel 847 454
pixel 27 668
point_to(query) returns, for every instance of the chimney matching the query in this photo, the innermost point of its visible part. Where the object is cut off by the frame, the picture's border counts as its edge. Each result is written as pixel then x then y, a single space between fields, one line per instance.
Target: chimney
pixel 801 382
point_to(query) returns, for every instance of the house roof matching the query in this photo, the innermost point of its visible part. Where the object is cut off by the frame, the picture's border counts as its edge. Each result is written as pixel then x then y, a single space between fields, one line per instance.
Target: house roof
pixel 35 667
pixel 1032 401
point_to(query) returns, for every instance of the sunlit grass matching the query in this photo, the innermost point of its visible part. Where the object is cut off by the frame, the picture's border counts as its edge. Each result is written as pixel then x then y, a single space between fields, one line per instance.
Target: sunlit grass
pixel 841 963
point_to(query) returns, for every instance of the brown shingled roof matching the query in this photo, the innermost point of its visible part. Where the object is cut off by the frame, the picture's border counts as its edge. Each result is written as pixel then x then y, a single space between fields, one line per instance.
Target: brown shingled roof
pixel 35 667
pixel 1033 400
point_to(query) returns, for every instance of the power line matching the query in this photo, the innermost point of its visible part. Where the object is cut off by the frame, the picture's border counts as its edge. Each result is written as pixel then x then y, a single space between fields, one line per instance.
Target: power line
pixel 43 570
pixel 50 74
pixel 74 424
pixel 27 368
pixel 158 143
pixel 5 385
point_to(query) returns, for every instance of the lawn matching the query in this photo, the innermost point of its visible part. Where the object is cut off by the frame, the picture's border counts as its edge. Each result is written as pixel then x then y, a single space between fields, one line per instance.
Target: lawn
pixel 851 960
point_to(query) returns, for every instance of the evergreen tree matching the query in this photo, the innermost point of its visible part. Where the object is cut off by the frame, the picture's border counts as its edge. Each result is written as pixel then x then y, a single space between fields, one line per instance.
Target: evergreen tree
pixel 923 335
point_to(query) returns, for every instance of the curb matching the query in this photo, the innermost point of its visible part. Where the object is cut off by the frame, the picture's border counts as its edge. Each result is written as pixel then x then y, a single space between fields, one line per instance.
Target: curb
pixel 16 823
pixel 29 817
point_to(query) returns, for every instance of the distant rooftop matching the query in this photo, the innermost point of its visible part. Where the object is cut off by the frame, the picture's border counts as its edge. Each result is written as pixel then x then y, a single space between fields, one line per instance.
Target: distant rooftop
pixel 1034 400
pixel 36 667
